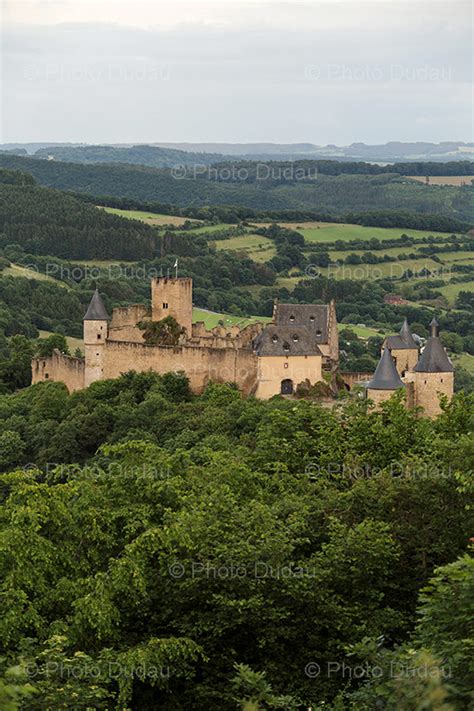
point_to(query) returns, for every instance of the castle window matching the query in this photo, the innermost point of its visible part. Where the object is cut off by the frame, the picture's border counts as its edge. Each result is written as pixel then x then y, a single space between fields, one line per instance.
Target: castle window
pixel 295 338
pixel 319 332
pixel 311 318
pixel 285 365
pixel 275 338
pixel 292 318
pixel 286 347
pixel 441 379
pixel 165 304
pixel 46 376
pixel 99 336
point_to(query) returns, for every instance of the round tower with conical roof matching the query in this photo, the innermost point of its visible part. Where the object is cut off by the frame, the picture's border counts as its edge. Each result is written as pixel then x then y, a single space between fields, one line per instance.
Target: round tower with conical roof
pixel 404 349
pixel 433 374
pixel 96 326
pixel 386 379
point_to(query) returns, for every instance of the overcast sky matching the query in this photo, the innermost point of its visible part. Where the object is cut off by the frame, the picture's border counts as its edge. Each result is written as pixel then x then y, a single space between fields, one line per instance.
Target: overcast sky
pixel 149 71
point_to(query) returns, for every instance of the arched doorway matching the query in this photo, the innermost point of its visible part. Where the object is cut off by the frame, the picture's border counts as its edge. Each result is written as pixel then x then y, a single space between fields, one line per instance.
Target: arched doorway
pixel 286 387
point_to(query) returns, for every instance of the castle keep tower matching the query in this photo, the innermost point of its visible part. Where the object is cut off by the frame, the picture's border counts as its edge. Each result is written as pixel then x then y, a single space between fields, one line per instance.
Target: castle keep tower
pixel 173 297
pixel 404 349
pixel 96 326
pixel 434 374
pixel 385 381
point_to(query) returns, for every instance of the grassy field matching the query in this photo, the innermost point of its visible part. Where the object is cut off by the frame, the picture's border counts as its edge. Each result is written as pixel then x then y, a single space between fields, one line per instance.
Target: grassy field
pixel 362 331
pixel 258 248
pixel 450 291
pixel 72 342
pixel 151 218
pixel 334 232
pixel 15 270
pixel 212 319
pixel 452 257
pixel 444 179
pixel 465 360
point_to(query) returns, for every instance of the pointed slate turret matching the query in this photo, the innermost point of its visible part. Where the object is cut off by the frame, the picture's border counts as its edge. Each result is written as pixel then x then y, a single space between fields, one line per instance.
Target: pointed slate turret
pixel 405 334
pixel 386 376
pixel 403 341
pixel 434 358
pixel 96 310
pixel 434 327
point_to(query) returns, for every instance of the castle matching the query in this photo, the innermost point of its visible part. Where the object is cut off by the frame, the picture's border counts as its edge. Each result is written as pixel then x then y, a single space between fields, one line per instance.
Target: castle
pixel 424 377
pixel 262 360
pixel 299 346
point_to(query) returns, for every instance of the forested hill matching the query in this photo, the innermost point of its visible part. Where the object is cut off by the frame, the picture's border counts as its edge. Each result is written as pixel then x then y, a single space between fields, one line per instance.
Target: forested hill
pixel 45 221
pixel 151 156
pixel 155 157
pixel 275 190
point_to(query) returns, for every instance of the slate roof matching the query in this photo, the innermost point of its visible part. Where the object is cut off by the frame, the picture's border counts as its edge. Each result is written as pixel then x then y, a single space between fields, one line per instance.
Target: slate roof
pixel 405 333
pixel 434 358
pixel 403 341
pixel 311 316
pixel 386 376
pixel 278 340
pixel 96 310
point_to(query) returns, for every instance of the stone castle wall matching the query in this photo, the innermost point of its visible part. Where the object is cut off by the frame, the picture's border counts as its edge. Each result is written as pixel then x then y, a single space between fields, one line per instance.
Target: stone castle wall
pixel 429 387
pixel 201 365
pixel 405 359
pixel 59 367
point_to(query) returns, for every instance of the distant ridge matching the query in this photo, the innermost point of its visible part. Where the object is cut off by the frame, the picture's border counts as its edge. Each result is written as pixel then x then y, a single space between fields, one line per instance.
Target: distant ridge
pixel 388 152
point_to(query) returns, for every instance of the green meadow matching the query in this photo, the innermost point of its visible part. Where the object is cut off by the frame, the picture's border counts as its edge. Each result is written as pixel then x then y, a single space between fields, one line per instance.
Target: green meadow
pixel 334 232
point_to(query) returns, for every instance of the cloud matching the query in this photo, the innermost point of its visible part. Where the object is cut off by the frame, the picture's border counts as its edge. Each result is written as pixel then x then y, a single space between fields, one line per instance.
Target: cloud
pixel 87 81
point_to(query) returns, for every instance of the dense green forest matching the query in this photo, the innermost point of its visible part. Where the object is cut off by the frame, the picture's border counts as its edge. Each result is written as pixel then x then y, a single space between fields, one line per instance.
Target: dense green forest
pixel 152 156
pixel 335 194
pixel 158 157
pixel 46 221
pixel 179 552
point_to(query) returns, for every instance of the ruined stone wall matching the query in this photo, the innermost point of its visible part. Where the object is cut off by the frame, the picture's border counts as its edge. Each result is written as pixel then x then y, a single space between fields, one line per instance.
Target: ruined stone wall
pixel 201 365
pixel 273 369
pixel 428 388
pixel 224 337
pixel 61 368
pixel 123 326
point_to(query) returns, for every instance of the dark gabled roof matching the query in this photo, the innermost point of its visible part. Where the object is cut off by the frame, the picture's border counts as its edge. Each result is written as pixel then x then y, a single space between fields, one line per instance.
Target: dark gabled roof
pixel 311 316
pixel 403 341
pixel 386 376
pixel 96 310
pixel 277 340
pixel 434 358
